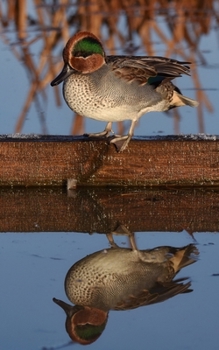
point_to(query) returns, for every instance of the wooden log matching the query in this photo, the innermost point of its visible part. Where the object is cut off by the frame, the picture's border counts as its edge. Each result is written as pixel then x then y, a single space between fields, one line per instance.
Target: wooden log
pixel 102 210
pixel 160 161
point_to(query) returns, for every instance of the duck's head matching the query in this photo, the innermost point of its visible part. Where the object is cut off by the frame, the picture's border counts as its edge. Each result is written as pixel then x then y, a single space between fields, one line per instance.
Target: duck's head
pixel 84 324
pixel 83 53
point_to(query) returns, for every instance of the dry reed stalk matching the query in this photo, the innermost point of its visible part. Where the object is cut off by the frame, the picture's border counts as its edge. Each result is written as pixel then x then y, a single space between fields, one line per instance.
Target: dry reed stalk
pixel 77 127
pixel 21 17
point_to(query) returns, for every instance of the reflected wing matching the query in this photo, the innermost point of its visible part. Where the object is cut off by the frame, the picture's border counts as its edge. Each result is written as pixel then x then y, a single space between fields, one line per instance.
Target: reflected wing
pixel 159 293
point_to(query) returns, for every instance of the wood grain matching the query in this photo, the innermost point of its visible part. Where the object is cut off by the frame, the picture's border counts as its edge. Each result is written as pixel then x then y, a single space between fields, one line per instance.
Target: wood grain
pixel 160 161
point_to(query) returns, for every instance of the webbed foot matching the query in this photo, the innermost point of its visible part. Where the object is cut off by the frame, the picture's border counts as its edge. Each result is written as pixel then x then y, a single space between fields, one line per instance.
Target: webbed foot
pixel 121 142
pixel 106 132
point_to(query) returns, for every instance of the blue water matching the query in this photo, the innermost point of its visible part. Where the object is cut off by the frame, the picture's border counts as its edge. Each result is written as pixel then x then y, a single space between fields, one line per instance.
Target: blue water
pixel 33 269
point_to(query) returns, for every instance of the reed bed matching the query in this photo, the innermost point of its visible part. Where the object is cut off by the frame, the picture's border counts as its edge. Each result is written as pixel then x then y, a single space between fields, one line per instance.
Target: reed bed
pixel 178 25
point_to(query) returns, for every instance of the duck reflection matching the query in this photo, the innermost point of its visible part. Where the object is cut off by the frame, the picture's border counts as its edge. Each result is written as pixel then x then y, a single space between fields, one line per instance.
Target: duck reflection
pixel 121 279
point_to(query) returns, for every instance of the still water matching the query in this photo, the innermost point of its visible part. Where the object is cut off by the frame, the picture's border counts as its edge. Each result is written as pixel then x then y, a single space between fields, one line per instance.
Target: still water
pixel 33 269
pixel 44 233
pixel 34 265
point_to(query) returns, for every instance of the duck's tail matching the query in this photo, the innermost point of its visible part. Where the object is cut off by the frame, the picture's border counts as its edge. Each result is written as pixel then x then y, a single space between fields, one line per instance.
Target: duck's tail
pixel 184 257
pixel 179 100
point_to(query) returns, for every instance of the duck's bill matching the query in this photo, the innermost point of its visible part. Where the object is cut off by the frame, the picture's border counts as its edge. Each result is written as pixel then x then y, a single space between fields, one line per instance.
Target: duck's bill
pixel 66 71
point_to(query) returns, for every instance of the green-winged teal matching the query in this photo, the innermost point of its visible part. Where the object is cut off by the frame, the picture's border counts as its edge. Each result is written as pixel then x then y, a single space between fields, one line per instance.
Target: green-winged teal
pixel 118 88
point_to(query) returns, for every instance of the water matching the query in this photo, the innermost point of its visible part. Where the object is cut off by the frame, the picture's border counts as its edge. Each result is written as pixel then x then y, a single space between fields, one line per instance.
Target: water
pixel 33 268
pixel 34 264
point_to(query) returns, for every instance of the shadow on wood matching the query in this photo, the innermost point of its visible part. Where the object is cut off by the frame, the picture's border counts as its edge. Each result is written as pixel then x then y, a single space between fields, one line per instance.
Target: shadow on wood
pixel 103 210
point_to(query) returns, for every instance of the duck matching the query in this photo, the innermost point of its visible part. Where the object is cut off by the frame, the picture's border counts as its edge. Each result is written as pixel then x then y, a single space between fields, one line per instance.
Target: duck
pixel 118 88
pixel 121 279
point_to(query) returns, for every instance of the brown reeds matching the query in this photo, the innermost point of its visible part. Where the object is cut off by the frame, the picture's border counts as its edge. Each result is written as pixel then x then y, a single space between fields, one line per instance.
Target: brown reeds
pixel 184 23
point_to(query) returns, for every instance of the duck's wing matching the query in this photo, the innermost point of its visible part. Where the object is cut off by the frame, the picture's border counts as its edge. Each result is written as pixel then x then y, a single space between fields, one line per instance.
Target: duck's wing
pixel 147 69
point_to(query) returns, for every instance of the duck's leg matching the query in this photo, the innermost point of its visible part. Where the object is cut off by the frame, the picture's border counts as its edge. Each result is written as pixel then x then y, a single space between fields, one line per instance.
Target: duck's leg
pixel 111 240
pixel 131 237
pixel 121 142
pixel 132 241
pixel 105 132
pixel 122 230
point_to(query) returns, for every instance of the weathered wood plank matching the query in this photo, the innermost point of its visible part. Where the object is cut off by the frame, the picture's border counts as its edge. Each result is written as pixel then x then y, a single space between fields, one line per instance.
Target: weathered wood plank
pixel 102 210
pixel 160 161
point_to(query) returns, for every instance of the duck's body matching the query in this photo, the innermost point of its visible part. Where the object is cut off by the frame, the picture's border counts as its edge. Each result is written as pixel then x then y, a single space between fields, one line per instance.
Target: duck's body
pixel 116 100
pixel 118 88
pixel 120 278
